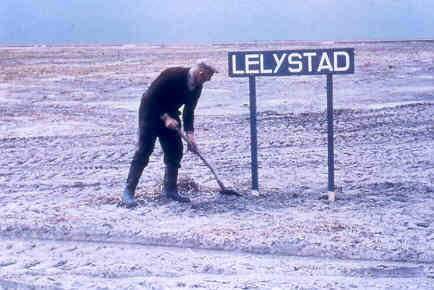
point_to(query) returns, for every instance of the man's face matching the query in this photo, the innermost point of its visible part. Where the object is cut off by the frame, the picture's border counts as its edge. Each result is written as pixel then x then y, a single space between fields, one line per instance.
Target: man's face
pixel 203 76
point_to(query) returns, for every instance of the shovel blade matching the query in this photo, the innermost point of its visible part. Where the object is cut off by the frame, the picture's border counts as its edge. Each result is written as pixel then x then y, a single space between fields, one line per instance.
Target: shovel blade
pixel 229 192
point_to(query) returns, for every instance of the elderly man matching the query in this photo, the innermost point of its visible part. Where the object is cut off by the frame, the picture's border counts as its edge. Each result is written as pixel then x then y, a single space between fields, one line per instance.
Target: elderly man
pixel 159 117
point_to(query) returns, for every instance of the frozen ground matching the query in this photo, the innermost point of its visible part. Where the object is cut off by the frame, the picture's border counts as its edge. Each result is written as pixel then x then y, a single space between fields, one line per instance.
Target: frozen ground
pixel 68 124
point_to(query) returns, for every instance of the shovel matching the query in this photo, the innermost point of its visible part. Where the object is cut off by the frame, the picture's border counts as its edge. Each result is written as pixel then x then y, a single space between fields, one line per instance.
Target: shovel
pixel 223 189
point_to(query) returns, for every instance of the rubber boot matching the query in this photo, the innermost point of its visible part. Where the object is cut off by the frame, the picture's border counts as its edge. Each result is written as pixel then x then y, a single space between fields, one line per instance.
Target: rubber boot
pixel 128 197
pixel 170 187
pixel 134 174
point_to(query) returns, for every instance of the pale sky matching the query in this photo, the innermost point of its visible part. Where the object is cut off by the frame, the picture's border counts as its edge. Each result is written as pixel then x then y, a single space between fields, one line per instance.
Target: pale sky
pixel 135 21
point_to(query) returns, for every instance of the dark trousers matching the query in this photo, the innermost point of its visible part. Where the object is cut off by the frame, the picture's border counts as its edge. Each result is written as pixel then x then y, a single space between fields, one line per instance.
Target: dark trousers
pixel 170 143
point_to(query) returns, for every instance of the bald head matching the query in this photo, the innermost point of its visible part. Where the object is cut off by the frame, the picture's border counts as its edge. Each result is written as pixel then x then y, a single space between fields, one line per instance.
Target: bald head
pixel 203 72
pixel 204 66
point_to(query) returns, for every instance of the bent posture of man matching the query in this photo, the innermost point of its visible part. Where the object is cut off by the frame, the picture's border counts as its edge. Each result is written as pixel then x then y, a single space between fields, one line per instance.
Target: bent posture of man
pixel 159 117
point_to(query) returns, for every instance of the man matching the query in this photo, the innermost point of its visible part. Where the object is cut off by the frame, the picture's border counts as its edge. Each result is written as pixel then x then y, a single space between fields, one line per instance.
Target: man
pixel 159 117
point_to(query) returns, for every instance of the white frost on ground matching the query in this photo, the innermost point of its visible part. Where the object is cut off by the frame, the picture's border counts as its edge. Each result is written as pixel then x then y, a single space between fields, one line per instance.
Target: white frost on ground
pixel 67 139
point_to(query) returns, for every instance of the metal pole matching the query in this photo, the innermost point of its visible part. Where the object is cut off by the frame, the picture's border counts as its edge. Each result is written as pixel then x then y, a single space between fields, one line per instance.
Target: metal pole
pixel 331 162
pixel 253 134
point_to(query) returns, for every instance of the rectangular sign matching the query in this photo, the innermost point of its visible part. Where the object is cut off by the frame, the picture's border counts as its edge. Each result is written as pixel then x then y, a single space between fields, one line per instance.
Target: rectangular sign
pixel 291 62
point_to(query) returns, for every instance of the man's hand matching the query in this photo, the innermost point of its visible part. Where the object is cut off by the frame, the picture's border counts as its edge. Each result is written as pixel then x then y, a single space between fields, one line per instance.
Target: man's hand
pixel 169 122
pixel 192 146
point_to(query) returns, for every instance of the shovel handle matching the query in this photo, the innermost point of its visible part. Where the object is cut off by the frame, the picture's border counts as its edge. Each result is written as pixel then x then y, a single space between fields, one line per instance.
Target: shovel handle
pixel 182 134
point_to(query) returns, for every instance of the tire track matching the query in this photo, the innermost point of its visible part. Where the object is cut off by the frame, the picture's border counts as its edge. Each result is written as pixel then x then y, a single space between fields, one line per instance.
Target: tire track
pixel 93 264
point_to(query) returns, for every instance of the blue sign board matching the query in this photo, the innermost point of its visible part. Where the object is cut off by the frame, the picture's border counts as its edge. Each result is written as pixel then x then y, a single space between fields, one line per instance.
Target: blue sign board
pixel 291 62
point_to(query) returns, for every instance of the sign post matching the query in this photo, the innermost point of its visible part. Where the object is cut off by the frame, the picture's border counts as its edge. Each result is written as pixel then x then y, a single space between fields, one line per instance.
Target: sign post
pixel 330 139
pixel 291 63
pixel 253 135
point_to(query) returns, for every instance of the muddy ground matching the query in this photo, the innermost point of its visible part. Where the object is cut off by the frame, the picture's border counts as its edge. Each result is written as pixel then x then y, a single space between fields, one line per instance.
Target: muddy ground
pixel 68 131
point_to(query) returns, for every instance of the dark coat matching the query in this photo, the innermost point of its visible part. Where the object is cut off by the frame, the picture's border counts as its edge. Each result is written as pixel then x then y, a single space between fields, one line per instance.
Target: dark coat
pixel 167 94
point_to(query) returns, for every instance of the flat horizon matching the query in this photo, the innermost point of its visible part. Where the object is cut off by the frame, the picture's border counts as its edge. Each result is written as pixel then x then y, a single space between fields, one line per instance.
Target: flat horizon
pixel 66 44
